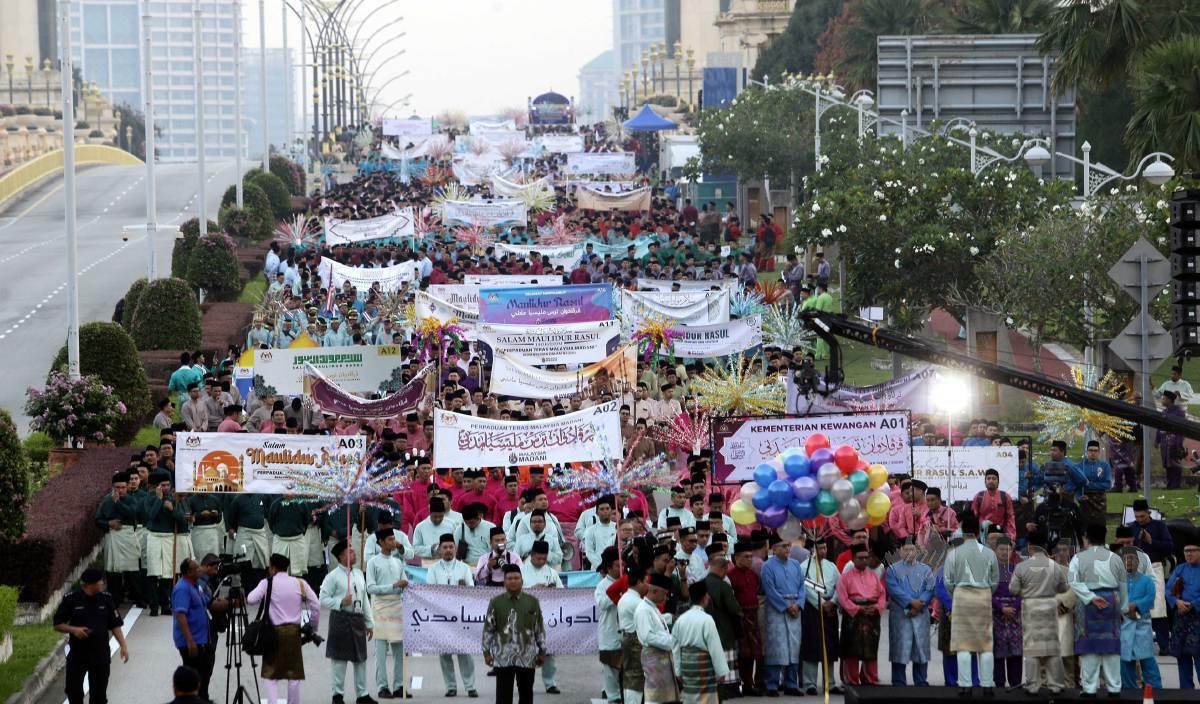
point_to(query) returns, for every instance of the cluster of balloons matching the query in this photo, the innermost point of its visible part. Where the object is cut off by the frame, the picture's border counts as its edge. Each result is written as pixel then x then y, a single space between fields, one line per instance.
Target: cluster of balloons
pixel 799 485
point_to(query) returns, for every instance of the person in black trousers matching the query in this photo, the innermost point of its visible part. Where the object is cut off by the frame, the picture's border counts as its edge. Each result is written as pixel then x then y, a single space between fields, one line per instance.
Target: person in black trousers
pixel 88 614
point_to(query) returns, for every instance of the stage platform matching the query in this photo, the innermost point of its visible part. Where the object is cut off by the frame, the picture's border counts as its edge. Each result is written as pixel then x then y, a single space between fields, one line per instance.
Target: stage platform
pixel 885 694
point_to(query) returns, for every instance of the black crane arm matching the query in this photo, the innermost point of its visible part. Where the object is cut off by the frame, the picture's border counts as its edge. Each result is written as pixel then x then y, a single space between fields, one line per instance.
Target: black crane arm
pixel 829 327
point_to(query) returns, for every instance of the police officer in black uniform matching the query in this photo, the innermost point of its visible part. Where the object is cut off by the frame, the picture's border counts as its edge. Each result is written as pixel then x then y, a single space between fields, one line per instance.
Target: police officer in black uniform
pixel 88 615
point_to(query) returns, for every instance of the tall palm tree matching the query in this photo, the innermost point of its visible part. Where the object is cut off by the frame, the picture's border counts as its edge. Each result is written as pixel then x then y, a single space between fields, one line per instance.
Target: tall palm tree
pixel 1002 16
pixel 1166 93
pixel 865 21
pixel 1100 42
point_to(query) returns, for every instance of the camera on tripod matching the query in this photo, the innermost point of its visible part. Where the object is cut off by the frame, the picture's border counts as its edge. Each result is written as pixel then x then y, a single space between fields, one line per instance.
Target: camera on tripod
pixel 804 376
pixel 231 566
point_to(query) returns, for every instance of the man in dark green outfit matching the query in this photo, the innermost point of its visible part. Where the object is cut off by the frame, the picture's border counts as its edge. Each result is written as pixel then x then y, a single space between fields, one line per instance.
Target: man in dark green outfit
pixel 514 638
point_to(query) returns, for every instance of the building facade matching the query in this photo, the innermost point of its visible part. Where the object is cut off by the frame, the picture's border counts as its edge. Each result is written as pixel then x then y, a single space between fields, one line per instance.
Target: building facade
pixel 749 26
pixel 277 74
pixel 598 88
pixel 637 25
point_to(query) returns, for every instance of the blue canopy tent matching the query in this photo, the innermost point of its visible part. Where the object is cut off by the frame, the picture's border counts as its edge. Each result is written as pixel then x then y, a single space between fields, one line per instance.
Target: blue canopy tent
pixel 648 121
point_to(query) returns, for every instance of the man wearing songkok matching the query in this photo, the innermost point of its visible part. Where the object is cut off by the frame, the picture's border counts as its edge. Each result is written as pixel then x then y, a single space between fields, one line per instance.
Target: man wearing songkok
pixel 971 574
pixel 862 598
pixel 700 661
pixel 783 584
pixel 1097 577
pixel 1037 580
pixel 909 592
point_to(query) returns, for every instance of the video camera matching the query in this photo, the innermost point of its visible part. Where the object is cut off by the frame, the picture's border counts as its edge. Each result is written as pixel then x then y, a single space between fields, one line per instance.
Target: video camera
pixel 231 566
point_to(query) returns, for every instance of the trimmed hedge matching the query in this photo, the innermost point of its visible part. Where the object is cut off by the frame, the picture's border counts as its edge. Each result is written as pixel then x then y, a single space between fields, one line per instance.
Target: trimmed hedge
pixel 167 317
pixel 237 222
pixel 131 300
pixel 288 171
pixel 276 190
pixel 213 266
pixel 258 207
pixel 107 350
pixel 182 250
pixel 61 530
pixel 14 480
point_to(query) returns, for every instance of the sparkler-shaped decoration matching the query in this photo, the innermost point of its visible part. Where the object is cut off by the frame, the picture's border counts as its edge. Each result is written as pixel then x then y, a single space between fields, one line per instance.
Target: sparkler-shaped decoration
pixel 610 478
pixel 536 197
pixel 734 390
pixel 390 306
pixel 511 149
pixel 348 478
pixel 425 222
pixel 437 338
pixel 271 307
pixel 435 175
pixel 475 236
pixel 783 327
pixel 656 338
pixel 686 432
pixel 745 303
pixel 439 148
pixel 772 292
pixel 451 191
pixel 1060 419
pixel 560 233
pixel 479 146
pixel 297 232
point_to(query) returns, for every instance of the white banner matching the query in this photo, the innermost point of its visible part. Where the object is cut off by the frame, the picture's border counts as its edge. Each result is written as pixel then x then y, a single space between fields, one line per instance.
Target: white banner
pixel 449 619
pixel 429 306
pixel 958 471
pixel 913 391
pixel 600 163
pixel 458 295
pixel 700 341
pixel 588 199
pixel 562 143
pixel 513 377
pixel 485 213
pixel 589 435
pixel 508 189
pixel 415 127
pixel 566 256
pixel 686 285
pixel 743 443
pixel 397 224
pixel 510 280
pixel 255 463
pixel 568 343
pixel 699 307
pixel 360 369
pixel 389 278
pixel 602 186
pixel 477 126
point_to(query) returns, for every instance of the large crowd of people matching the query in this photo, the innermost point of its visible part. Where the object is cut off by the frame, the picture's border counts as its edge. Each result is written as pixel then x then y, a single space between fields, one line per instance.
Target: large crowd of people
pixel 1027 590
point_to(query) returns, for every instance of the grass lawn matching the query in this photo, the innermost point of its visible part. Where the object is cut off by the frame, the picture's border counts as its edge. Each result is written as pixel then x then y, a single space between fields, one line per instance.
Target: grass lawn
pixel 1174 503
pixel 254 290
pixel 148 435
pixel 30 645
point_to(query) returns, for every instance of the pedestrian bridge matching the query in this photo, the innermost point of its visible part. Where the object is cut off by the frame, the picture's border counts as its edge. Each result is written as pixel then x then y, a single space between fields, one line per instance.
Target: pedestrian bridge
pixel 29 173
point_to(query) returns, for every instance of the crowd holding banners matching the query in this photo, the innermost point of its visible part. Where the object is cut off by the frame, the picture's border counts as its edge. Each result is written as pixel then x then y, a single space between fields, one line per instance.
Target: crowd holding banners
pixel 482 471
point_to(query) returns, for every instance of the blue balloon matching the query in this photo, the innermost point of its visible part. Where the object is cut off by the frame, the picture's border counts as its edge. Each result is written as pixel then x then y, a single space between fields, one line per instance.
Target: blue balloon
pixel 796 466
pixel 802 509
pixel 764 474
pixel 805 488
pixel 790 452
pixel 762 500
pixel 780 493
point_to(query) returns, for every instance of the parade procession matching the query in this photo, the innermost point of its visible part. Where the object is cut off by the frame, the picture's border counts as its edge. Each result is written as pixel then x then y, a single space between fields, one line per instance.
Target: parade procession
pixel 807 350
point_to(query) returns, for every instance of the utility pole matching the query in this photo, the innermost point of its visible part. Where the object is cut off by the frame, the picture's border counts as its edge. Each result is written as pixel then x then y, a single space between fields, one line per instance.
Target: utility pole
pixel 68 110
pixel 148 113
pixel 237 99
pixel 197 50
pixel 262 80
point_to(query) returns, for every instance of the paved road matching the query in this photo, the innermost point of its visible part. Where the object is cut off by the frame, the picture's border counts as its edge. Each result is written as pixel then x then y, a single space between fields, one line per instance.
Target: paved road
pixel 33 305
pixel 146 679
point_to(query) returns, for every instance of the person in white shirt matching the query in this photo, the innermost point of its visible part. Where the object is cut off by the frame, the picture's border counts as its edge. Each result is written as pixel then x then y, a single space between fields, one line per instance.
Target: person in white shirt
pixel 351 624
pixel 539 575
pixel 404 546
pixel 657 643
pixel 429 531
pixel 608 632
pixel 691 556
pixel 697 644
pixel 448 570
pixel 632 677
pixel 1183 389
pixel 601 534
pixel 476 533
pixel 667 407
pixel 537 501
pixel 538 529
pixel 386 582
pixel 678 509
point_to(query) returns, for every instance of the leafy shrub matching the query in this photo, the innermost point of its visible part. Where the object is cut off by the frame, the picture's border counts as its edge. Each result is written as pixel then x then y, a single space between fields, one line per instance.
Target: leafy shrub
pixel 131 299
pixel 236 222
pixel 258 206
pixel 8 609
pixel 213 266
pixel 81 125
pixel 14 481
pixel 167 317
pixel 277 192
pixel 37 447
pixel 74 410
pixel 288 171
pixel 95 133
pixel 106 350
pixel 182 250
pixel 229 197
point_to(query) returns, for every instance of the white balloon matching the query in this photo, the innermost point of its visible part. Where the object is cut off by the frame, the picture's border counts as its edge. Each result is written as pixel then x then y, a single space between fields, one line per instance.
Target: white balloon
pixel 748 490
pixel 861 497
pixel 843 491
pixel 858 522
pixel 849 510
pixel 792 530
pixel 828 474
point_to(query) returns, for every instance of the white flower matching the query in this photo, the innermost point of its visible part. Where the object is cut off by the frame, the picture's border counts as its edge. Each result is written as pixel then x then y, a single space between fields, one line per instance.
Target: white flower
pixel 1113 191
pixel 1160 204
pixel 883 218
pixel 816 207
pixel 897 263
pixel 879 194
pixel 974 251
pixel 842 228
pixel 826 232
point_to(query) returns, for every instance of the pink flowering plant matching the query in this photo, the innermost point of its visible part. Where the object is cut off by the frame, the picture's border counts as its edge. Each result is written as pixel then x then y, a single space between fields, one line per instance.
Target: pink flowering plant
pixel 74 411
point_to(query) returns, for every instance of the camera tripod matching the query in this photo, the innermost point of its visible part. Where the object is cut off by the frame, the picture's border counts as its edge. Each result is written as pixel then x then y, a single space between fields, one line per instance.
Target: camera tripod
pixel 233 647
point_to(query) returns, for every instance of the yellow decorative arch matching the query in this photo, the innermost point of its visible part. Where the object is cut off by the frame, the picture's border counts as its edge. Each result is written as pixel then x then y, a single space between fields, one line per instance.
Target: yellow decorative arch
pixel 34 170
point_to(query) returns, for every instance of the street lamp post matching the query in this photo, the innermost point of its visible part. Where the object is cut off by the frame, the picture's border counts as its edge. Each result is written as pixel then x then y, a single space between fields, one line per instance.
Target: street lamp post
pixel 8 63
pixel 197 50
pixel 288 72
pixel 46 71
pixel 678 66
pixel 691 64
pixel 29 78
pixel 262 87
pixel 237 103
pixel 819 108
pixel 68 109
pixel 862 100
pixel 148 113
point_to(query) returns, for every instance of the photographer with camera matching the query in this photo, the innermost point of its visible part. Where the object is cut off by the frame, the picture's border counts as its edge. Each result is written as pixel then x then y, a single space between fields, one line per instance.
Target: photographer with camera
pixel 290 599
pixel 489 570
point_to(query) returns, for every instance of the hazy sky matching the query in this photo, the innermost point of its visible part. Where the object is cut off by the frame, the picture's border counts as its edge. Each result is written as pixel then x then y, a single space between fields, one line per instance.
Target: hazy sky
pixel 479 56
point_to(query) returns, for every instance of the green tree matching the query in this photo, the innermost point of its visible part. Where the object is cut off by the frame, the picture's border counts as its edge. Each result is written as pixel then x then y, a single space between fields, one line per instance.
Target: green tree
pixel 1002 16
pixel 762 131
pixel 795 50
pixel 276 191
pixel 107 351
pixel 213 266
pixel 258 207
pixel 14 481
pixel 167 317
pixel 848 48
pixel 1166 92
pixel 182 249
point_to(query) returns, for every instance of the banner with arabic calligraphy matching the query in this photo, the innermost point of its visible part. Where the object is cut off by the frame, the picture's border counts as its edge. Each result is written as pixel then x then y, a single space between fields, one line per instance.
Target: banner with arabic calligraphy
pixel 588 435
pixel 743 443
pixel 571 579
pixel 600 163
pixel 449 619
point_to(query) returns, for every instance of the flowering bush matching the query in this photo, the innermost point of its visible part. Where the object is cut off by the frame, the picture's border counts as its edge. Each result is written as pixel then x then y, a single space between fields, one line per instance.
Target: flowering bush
pixel 72 412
